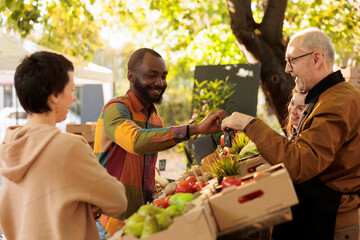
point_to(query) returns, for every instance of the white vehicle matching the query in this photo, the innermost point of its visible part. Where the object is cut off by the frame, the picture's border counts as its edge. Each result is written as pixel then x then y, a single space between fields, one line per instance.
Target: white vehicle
pixel 11 116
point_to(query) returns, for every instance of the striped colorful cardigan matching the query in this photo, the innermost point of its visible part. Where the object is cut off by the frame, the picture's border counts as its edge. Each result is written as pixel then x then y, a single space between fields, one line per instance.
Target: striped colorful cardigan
pixel 127 140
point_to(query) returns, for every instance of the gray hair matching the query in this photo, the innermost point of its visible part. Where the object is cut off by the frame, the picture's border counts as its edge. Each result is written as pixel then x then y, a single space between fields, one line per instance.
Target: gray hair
pixel 313 39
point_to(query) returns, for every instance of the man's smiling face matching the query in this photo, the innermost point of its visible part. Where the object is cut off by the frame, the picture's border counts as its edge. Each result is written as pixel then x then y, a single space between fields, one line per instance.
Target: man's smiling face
pixel 149 82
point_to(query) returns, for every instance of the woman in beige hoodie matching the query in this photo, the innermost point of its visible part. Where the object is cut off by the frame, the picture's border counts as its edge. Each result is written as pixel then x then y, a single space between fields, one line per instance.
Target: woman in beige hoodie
pixel 53 184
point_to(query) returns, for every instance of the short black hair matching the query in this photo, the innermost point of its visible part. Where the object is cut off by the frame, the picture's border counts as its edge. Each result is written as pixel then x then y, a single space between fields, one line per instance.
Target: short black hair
pixel 38 76
pixel 137 56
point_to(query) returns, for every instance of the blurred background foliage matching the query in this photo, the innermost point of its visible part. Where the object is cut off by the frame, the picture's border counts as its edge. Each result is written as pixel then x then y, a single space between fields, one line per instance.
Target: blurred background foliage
pixel 186 33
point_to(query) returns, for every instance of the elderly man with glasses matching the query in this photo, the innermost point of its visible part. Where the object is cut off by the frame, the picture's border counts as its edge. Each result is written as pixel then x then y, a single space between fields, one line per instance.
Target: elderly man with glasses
pixel 324 160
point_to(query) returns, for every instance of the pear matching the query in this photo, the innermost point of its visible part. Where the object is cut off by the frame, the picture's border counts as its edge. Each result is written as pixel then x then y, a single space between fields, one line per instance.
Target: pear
pixel 145 210
pixel 135 229
pixel 135 218
pixel 150 226
pixel 163 220
pixel 172 211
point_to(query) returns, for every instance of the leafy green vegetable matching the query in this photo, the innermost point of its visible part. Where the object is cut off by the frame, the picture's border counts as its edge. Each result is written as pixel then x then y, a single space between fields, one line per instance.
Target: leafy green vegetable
pixel 248 150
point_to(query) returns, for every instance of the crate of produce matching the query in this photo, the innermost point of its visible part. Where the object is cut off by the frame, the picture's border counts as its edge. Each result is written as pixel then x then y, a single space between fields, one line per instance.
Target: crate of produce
pixel 196 223
pixel 262 200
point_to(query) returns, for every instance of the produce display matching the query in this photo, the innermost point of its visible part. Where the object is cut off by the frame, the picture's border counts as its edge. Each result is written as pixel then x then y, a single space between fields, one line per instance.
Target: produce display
pixel 150 219
pixel 171 201
pixel 170 205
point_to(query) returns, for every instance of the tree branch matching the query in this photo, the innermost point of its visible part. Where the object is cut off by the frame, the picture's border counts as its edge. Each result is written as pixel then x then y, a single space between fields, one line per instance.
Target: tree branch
pixel 264 44
pixel 272 23
pixel 243 27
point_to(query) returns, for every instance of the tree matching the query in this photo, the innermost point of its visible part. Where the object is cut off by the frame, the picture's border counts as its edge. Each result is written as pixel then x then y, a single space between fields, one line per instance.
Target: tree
pixel 66 25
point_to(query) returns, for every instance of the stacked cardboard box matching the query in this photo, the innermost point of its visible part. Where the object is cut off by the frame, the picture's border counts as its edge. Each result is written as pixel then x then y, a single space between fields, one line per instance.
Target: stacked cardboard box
pixel 270 192
pixel 86 130
pixel 352 75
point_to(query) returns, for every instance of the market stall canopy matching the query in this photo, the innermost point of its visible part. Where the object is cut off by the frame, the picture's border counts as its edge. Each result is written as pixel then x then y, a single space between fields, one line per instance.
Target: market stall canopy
pixel 13 50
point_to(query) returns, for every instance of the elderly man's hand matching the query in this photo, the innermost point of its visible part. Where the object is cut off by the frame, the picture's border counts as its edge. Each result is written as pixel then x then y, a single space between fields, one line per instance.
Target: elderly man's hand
pixel 236 121
pixel 210 124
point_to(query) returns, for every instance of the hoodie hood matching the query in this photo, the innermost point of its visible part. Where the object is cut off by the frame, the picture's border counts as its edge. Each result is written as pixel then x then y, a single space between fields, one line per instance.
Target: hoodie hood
pixel 21 148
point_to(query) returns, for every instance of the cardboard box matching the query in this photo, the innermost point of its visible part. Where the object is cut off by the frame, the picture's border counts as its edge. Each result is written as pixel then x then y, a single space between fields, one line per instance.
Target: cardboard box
pixel 197 223
pixel 86 130
pixel 251 165
pixel 259 196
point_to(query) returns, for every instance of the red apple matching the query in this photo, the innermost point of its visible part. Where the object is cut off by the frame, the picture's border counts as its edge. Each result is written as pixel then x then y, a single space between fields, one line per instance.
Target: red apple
pixel 222 140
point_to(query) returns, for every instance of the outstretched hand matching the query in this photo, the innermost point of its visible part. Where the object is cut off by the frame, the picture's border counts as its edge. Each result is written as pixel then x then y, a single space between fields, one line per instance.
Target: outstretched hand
pixel 210 124
pixel 236 121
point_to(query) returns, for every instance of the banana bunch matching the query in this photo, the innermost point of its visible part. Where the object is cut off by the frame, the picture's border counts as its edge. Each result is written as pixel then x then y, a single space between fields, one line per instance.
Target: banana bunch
pixel 239 141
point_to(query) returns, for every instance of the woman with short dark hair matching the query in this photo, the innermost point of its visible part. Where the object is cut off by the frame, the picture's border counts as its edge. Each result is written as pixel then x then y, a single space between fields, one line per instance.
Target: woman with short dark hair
pixel 53 184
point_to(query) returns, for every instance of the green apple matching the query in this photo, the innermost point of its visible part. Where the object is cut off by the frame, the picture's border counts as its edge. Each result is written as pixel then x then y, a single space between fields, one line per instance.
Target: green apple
pixel 174 198
pixel 183 200
pixel 172 211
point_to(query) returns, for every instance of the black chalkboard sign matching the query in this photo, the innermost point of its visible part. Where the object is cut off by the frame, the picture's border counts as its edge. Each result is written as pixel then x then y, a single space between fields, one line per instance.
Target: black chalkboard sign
pixel 245 76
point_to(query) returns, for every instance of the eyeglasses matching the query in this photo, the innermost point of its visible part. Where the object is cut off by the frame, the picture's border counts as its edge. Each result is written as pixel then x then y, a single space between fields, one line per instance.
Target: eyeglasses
pixel 291 60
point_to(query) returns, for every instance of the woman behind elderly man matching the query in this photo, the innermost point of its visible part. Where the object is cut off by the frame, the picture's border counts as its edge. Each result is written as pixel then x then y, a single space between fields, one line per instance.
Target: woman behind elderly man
pixel 53 184
pixel 295 109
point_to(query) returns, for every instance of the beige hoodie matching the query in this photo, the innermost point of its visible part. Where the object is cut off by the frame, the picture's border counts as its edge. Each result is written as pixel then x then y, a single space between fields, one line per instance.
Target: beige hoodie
pixel 50 181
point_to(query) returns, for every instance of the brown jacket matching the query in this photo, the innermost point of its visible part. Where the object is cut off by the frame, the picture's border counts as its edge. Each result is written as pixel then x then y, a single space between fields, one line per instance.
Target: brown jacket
pixel 329 144
pixel 50 181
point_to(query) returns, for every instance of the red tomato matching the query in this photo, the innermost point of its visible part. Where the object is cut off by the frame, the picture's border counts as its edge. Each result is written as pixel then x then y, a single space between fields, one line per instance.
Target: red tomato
pixel 167 198
pixel 163 202
pixel 230 180
pixel 184 187
pixel 192 180
pixel 222 140
pixel 197 187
